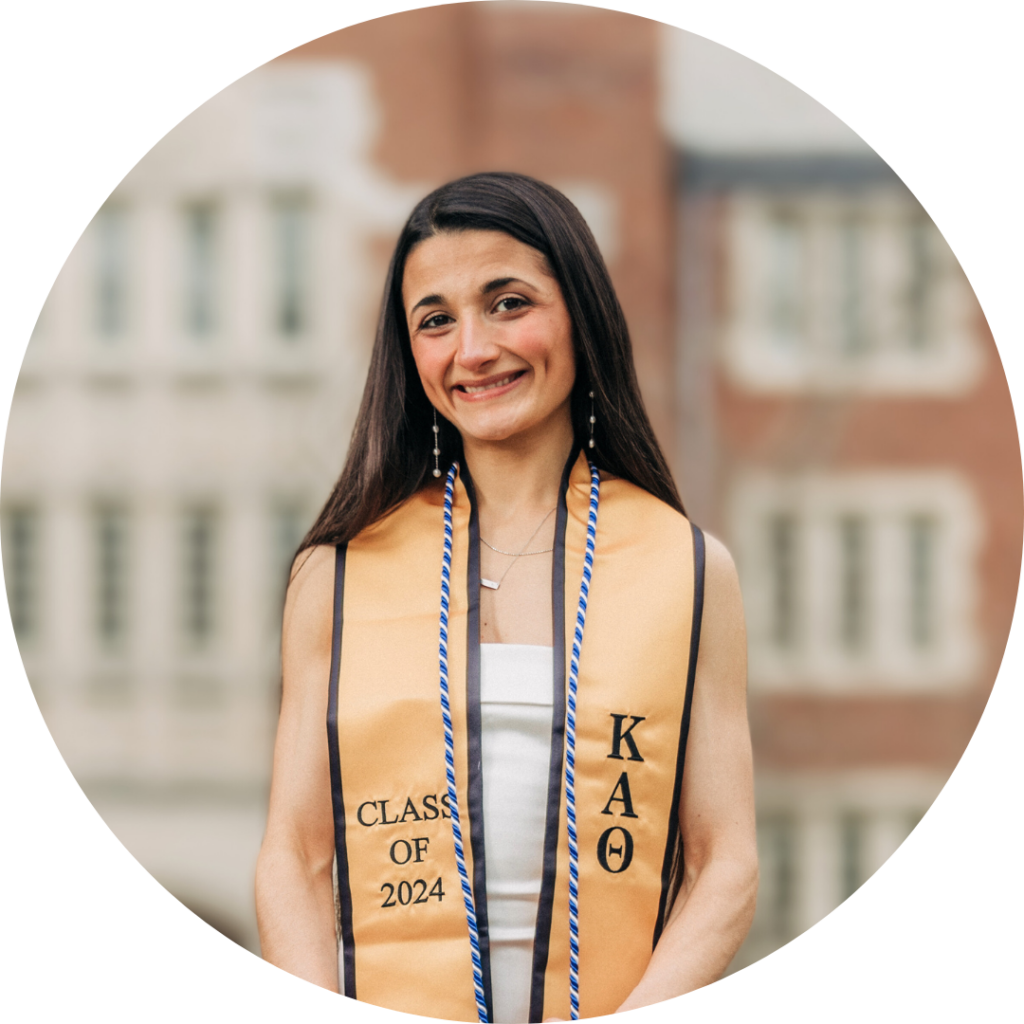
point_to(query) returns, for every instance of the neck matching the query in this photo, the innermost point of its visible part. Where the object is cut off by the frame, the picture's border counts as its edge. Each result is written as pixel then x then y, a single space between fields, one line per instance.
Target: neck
pixel 520 477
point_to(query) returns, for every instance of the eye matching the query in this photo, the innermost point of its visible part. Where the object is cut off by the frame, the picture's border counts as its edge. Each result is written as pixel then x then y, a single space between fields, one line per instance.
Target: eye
pixel 436 320
pixel 510 303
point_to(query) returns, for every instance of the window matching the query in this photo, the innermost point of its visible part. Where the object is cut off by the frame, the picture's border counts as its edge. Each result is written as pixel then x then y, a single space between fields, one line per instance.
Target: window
pixel 111 281
pixel 851 320
pixel 820 837
pixel 920 283
pixel 786 276
pixel 199 565
pixel 852 869
pixel 110 534
pixel 857 581
pixel 922 542
pixel 201 270
pixel 291 266
pixel 776 834
pixel 782 553
pixel 21 552
pixel 853 598
pixel 197 688
pixel 839 291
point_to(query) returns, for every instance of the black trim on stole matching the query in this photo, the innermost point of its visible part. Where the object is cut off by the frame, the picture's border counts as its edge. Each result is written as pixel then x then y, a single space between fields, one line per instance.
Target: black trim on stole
pixel 337 800
pixel 673 847
pixel 542 935
pixel 474 756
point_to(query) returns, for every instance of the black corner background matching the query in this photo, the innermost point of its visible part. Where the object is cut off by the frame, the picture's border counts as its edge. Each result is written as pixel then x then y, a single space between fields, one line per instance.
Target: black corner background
pixel 87 95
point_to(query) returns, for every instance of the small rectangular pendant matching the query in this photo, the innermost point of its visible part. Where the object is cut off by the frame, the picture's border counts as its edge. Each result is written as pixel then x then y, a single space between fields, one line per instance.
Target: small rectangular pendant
pixel 488 583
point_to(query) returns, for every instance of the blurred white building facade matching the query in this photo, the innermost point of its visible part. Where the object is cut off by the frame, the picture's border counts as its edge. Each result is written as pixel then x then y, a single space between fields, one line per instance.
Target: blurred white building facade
pixel 187 397
pixel 183 409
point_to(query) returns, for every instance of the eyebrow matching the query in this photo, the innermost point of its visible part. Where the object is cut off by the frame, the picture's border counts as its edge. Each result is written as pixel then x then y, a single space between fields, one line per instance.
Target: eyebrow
pixel 490 286
pixel 501 282
pixel 428 300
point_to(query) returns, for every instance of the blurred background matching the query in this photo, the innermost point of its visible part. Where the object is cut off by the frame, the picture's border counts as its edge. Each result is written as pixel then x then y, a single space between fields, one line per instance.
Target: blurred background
pixel 812 357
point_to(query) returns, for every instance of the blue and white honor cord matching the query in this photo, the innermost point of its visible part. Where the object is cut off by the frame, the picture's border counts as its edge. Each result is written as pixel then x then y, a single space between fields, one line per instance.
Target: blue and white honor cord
pixel 449 753
pixel 570 757
pixel 570 751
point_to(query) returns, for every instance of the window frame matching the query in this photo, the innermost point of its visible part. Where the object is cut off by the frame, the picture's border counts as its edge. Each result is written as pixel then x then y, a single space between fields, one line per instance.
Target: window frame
pixel 887 501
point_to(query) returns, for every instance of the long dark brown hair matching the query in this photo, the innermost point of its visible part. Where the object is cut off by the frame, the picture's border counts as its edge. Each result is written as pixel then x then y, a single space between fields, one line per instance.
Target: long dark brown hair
pixel 389 458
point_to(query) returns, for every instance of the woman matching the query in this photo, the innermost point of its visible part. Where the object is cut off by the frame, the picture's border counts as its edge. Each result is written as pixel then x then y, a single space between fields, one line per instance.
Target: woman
pixel 514 637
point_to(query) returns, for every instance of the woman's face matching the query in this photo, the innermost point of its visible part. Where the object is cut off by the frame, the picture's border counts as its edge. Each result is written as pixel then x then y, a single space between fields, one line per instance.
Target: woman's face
pixel 490 334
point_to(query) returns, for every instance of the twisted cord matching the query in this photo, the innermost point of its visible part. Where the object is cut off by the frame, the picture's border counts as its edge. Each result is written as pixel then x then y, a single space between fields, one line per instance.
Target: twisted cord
pixel 570 752
pixel 449 752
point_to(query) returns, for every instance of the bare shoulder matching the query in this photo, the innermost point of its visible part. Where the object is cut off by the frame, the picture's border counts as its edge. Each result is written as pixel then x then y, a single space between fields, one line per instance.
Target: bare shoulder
pixel 300 787
pixel 718 561
pixel 721 581
pixel 309 604
pixel 312 575
pixel 723 643
pixel 311 567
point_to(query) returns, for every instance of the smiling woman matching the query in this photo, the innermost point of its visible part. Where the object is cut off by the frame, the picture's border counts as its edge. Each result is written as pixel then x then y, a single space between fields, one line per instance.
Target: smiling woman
pixel 496 327
pixel 492 341
pixel 514 664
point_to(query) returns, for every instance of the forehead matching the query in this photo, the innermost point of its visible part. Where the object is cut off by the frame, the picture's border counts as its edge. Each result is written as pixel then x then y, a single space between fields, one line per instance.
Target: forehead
pixel 453 260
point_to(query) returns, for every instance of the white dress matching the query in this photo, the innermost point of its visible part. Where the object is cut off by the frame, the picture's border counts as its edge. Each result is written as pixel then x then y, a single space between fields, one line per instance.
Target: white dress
pixel 515 714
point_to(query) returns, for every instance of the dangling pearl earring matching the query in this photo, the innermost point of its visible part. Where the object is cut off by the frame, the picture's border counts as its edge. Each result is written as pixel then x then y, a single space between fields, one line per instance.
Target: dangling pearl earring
pixel 437 446
pixel 593 420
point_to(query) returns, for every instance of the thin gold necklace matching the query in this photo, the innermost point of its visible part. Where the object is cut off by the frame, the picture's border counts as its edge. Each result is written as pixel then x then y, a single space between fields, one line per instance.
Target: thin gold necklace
pixel 514 555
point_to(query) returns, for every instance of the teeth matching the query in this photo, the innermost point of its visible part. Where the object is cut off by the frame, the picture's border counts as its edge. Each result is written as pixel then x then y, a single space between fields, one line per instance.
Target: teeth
pixel 487 387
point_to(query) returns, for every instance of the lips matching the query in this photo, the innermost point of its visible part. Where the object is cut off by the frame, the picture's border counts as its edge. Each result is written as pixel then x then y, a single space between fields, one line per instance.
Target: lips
pixel 489 385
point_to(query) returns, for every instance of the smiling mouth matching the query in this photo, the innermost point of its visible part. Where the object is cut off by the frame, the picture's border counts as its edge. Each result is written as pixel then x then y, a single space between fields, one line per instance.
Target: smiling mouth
pixel 491 385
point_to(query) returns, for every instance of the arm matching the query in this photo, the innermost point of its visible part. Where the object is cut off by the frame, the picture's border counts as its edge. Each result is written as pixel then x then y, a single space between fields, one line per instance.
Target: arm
pixel 294 888
pixel 715 905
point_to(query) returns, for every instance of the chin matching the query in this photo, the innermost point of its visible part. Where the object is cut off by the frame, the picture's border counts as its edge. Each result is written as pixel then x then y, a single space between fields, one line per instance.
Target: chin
pixel 495 432
pixel 490 436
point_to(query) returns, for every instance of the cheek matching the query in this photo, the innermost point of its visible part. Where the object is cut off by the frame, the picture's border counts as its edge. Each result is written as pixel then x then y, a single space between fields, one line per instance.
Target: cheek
pixel 550 348
pixel 430 363
pixel 562 362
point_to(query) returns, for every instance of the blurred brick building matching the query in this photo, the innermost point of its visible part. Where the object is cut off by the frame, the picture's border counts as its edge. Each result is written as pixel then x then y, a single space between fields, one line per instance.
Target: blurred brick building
pixel 848 429
pixel 811 356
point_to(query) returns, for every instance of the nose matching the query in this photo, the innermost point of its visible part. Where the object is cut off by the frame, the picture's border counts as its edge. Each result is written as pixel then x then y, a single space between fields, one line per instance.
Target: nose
pixel 477 346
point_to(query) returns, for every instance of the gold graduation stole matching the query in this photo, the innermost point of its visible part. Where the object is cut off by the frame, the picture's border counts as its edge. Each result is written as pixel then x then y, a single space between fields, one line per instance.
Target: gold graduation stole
pixel 402 919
